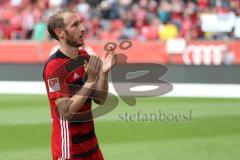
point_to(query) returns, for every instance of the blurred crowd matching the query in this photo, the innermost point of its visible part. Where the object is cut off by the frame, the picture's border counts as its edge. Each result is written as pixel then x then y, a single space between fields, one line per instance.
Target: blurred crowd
pixel 123 19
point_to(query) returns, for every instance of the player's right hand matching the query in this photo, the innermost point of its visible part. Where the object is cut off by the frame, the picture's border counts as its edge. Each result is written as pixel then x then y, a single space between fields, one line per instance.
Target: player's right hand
pixel 92 68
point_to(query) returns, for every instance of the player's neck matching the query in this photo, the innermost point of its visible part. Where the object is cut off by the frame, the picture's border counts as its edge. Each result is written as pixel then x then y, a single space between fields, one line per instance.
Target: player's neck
pixel 69 51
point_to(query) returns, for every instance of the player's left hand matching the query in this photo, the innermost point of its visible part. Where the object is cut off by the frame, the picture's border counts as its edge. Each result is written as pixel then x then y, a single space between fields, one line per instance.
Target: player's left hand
pixel 109 60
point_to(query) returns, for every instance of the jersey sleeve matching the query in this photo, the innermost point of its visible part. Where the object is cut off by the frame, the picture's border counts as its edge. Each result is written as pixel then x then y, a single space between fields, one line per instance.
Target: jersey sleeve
pixel 54 77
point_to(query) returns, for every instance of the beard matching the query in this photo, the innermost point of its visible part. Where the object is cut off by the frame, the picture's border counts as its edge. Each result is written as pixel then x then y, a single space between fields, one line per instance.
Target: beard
pixel 71 41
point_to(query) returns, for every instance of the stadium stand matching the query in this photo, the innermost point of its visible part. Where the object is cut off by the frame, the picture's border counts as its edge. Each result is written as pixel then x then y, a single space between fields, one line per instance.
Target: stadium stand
pixel 126 19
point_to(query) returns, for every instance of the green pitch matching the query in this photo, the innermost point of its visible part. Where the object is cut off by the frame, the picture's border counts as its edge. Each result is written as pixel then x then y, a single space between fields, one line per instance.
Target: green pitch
pixel 209 131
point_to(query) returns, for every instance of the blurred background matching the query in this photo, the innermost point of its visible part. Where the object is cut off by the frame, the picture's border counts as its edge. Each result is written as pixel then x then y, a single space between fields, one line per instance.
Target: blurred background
pixel 144 20
pixel 196 40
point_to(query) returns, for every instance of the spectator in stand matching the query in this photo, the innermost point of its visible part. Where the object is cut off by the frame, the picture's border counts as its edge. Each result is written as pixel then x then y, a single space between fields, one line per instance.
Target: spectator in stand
pixel 39 31
pixel 164 11
pixel 168 31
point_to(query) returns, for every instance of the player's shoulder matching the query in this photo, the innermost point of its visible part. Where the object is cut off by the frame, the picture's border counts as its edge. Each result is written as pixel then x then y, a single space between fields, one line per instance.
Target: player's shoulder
pixel 83 52
pixel 54 61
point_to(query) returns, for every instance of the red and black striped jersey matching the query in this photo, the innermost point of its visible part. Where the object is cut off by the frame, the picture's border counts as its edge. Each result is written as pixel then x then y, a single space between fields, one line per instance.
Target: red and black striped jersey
pixel 63 77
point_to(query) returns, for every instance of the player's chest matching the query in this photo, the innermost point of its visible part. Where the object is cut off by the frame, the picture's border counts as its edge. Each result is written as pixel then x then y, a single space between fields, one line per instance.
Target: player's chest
pixel 75 72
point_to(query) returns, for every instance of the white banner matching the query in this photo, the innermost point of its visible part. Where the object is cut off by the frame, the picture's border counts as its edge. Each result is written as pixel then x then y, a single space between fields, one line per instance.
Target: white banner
pixel 218 22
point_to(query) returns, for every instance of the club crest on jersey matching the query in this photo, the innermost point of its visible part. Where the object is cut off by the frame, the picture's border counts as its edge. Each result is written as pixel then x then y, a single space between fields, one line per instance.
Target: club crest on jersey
pixel 53 85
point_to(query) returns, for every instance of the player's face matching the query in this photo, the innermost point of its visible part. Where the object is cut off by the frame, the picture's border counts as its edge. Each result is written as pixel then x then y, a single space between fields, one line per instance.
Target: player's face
pixel 74 30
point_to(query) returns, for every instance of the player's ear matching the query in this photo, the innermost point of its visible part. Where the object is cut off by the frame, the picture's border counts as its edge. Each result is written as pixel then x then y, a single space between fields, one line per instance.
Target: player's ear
pixel 59 32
